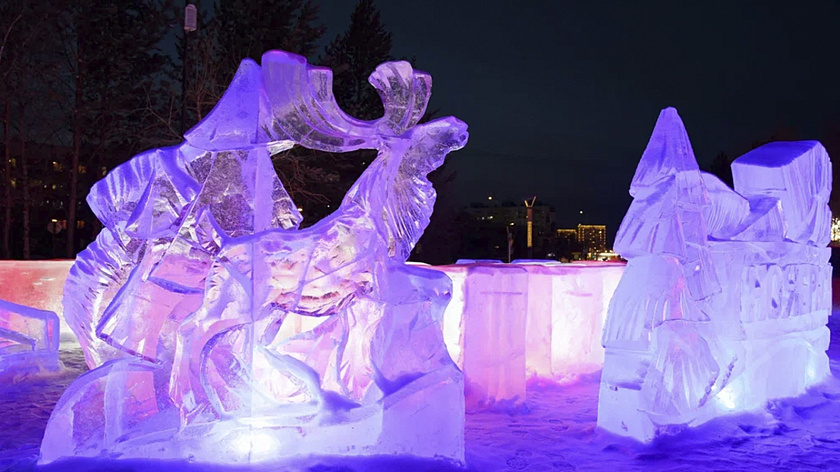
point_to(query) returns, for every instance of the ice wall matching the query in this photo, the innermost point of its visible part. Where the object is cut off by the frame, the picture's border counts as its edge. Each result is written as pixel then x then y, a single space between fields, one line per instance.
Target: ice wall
pixel 36 284
pixel 507 323
pixel 28 342
pixel 493 321
pixel 727 293
pixel 218 331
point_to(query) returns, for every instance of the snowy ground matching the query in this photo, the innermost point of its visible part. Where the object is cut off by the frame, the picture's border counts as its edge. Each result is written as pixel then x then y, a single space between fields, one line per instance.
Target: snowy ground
pixel 556 433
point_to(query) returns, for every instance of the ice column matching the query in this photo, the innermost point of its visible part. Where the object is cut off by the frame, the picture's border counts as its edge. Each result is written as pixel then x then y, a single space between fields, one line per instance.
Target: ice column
pixel 494 321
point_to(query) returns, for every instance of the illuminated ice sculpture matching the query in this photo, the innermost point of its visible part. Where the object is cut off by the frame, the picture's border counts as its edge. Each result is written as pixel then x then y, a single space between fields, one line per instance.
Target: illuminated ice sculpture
pixel 179 301
pixel 725 299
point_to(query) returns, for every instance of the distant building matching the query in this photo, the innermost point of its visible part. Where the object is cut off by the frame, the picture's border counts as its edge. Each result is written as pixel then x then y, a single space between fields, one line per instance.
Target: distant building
pixel 592 238
pixel 47 178
pixel 583 242
pixel 566 244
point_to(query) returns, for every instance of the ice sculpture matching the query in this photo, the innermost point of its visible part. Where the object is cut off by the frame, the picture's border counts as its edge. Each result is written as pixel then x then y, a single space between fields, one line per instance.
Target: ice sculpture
pixel 726 296
pixel 179 302
pixel 28 342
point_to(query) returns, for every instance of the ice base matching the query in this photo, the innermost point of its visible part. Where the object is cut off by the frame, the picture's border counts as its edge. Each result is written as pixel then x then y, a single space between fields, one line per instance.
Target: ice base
pixel 405 423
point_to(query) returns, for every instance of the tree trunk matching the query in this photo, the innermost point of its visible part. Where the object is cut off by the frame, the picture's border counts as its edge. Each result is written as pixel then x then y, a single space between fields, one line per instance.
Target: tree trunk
pixel 74 164
pixel 25 167
pixel 7 184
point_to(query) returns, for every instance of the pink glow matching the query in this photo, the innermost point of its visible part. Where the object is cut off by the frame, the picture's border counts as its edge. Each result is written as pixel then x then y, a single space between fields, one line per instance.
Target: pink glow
pixel 563 305
pixel 36 284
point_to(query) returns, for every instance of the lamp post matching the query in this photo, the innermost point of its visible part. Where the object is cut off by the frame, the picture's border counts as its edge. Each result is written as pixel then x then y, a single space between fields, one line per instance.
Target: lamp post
pixel 529 214
pixel 509 242
pixel 190 24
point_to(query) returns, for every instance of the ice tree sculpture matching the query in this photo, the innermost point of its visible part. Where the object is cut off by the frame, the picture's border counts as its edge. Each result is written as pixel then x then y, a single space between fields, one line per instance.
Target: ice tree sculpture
pixel 725 299
pixel 179 301
pixel 28 342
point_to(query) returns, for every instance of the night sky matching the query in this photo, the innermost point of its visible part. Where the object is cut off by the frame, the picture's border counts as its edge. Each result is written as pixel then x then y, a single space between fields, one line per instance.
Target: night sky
pixel 561 98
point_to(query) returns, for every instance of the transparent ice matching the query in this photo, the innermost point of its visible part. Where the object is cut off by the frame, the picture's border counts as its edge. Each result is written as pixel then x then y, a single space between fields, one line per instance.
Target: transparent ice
pixel 28 342
pixel 726 295
pixel 36 284
pixel 185 301
pixel 508 323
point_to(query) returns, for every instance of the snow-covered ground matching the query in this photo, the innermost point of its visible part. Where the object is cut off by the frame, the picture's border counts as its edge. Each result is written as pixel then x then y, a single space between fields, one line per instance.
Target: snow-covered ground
pixel 555 432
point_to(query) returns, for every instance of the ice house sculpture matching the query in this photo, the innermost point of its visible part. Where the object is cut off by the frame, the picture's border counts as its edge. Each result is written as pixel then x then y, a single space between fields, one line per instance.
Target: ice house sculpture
pixel 179 301
pixel 725 299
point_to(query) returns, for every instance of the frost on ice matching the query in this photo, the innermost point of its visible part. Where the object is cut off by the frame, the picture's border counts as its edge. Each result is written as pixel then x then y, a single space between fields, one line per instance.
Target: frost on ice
pixel 180 303
pixel 28 342
pixel 725 299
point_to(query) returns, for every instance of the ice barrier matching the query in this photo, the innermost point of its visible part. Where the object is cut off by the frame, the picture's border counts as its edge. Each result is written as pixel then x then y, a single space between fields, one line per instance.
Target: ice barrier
pixel 507 323
pixel 180 302
pixel 36 284
pixel 726 296
pixel 28 342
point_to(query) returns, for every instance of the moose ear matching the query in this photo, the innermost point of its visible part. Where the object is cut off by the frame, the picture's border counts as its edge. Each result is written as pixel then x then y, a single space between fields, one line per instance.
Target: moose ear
pixel 233 121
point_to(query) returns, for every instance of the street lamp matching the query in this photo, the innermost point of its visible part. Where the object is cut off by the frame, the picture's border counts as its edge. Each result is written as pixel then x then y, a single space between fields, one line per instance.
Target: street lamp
pixel 190 25
pixel 530 228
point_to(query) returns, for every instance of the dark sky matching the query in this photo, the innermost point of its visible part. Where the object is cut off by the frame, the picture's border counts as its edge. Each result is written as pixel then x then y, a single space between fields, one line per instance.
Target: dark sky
pixel 561 98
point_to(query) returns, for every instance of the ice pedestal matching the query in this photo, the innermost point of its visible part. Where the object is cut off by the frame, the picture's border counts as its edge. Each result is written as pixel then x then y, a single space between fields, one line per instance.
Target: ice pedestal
pixel 726 295
pixel 28 342
pixel 218 331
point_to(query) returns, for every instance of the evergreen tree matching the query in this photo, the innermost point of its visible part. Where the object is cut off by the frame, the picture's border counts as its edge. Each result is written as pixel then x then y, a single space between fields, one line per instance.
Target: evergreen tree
pixel 113 61
pixel 721 167
pixel 239 29
pixel 352 56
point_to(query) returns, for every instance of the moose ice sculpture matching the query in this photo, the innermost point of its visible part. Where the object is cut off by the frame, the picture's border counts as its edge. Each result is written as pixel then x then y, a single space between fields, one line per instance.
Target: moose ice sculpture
pixel 725 299
pixel 179 301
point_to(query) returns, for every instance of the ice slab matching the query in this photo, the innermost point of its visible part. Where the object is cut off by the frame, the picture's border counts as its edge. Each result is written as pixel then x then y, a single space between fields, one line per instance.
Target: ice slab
pixel 216 329
pixel 564 306
pixel 36 284
pixel 726 295
pixel 494 322
pixel 28 342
